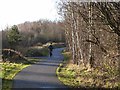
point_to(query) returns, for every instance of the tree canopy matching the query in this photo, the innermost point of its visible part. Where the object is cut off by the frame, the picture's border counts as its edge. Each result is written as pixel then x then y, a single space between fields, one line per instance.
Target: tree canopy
pixel 13 36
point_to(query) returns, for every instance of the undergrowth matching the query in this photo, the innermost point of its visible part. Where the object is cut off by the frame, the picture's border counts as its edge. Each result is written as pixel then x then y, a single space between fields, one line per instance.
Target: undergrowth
pixel 79 76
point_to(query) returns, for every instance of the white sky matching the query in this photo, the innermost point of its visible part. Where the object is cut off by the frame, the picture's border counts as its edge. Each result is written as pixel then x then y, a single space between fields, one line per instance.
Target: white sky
pixel 18 11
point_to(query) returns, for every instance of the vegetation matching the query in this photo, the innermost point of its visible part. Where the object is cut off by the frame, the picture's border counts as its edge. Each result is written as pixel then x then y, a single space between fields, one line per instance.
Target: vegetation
pixel 92 31
pixel 10 55
pixel 9 70
pixel 41 50
pixel 32 33
pixel 13 36
pixel 13 62
pixel 80 77
pixel 37 52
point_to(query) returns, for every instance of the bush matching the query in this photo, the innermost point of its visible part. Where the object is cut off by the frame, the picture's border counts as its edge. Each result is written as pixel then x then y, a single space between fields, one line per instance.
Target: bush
pixel 37 52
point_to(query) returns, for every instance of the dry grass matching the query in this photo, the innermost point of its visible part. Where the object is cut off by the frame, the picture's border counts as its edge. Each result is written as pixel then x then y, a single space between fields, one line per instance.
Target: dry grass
pixel 79 76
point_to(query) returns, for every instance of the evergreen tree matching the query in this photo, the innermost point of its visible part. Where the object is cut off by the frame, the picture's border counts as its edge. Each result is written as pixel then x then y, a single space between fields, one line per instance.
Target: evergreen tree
pixel 13 36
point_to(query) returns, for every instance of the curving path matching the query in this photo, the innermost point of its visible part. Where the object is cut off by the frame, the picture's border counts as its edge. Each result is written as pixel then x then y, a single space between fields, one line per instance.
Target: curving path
pixel 42 74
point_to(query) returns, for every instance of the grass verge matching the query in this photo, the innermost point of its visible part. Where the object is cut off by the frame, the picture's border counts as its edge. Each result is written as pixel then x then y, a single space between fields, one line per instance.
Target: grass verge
pixel 9 70
pixel 80 77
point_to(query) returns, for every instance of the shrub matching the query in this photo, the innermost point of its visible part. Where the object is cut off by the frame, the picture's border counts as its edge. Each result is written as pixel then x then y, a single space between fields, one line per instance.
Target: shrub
pixel 37 52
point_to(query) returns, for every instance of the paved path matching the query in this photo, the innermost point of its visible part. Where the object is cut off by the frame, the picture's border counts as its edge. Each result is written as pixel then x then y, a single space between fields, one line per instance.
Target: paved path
pixel 42 74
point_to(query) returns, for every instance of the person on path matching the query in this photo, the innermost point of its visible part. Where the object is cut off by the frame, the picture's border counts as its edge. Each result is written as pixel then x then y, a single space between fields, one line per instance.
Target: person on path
pixel 50 49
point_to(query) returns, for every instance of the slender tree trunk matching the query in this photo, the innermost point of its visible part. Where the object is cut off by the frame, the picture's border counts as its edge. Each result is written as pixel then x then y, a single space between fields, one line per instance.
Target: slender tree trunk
pixel 73 39
pixel 67 38
pixel 119 55
pixel 78 37
pixel 89 31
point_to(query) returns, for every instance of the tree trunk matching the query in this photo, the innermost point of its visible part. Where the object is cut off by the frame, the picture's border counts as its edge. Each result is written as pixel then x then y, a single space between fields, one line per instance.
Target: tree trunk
pixel 119 55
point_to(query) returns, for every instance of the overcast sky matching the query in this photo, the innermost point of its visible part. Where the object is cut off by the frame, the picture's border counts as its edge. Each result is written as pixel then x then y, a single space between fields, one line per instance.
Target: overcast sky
pixel 18 11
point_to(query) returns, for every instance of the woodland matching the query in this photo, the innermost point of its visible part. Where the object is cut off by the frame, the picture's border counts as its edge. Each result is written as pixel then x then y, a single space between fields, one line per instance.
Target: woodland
pixel 92 31
pixel 25 35
pixel 91 34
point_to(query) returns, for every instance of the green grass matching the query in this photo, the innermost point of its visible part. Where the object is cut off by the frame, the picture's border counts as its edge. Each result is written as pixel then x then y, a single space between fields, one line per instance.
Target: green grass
pixel 9 70
pixel 75 77
pixel 79 76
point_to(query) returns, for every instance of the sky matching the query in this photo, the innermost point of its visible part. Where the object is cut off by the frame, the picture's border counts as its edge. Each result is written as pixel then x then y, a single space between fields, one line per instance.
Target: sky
pixel 14 12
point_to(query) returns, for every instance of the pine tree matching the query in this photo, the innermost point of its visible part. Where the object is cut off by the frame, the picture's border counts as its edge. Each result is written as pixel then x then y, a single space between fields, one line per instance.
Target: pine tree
pixel 13 36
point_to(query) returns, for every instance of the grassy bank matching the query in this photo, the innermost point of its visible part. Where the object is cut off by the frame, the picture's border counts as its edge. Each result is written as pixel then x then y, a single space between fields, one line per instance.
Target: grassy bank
pixel 80 77
pixel 9 70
